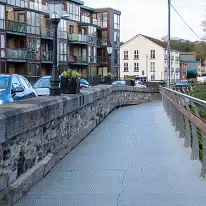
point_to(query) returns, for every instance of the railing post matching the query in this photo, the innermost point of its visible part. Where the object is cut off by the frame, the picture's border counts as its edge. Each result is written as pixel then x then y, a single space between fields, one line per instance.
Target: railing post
pixel 203 171
pixel 187 134
pixel 195 143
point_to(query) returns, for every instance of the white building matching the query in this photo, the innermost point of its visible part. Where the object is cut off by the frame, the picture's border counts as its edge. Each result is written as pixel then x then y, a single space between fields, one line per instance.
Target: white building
pixel 144 56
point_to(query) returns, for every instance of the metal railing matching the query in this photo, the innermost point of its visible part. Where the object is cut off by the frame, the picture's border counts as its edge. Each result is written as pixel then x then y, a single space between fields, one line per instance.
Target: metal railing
pixel 47 32
pixel 188 115
pixel 99 42
pixel 78 59
pixel 16 26
pixel 46 56
pixel 17 54
pixel 78 38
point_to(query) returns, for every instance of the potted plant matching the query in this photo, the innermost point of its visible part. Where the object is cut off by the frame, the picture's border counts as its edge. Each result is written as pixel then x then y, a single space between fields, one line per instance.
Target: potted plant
pixel 108 78
pixel 130 82
pixel 70 82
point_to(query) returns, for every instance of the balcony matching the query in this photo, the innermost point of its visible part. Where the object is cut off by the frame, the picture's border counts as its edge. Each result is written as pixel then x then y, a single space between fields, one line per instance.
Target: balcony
pixel 99 42
pixel 47 33
pixel 78 39
pixel 92 59
pixel 92 40
pixel 33 54
pixel 101 60
pixel 17 55
pixel 46 56
pixel 16 27
pixel 78 60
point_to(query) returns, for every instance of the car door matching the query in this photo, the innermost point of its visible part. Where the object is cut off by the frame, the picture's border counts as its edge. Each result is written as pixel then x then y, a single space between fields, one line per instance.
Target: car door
pixel 28 90
pixel 16 96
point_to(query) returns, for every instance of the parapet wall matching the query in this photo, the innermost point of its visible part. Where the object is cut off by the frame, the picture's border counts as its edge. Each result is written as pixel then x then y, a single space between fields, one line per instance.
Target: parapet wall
pixel 36 133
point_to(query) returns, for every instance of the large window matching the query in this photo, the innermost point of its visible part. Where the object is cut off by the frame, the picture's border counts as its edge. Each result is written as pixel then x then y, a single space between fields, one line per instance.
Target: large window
pixel 33 45
pixel 116 56
pixel 24 4
pixel 2 45
pixel 116 22
pixel 152 54
pixel 136 54
pixel 126 56
pixel 136 67
pixel 73 11
pixel 2 17
pixel 34 69
pixel 104 37
pixel 92 31
pixel 63 51
pixel 33 23
pixel 86 16
pixel 116 38
pixel 152 66
pixel 62 29
pixel 100 19
pixel 126 69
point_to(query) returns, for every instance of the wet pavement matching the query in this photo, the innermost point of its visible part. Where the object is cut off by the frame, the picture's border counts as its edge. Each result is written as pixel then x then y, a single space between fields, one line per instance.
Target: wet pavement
pixel 133 158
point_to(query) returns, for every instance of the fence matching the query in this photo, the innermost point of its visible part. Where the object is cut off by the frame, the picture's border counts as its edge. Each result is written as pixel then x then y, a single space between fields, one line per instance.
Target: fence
pixel 188 115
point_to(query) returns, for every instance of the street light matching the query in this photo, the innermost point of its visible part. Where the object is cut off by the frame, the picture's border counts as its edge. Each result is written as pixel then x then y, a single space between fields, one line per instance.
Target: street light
pixel 109 49
pixel 55 9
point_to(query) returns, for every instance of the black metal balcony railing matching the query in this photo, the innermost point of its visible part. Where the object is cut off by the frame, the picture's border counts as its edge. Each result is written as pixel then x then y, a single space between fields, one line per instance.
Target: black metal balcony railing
pixel 101 60
pixel 99 42
pixel 17 54
pixel 46 56
pixel 77 38
pixel 78 59
pixel 47 32
pixel 33 54
pixel 92 39
pixel 15 26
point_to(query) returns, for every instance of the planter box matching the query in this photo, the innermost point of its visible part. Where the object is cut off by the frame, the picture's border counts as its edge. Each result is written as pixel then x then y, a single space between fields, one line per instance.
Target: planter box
pixel 130 82
pixel 69 86
pixel 108 80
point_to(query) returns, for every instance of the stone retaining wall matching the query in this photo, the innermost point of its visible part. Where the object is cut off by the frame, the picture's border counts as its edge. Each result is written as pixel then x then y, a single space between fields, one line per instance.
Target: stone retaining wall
pixel 35 134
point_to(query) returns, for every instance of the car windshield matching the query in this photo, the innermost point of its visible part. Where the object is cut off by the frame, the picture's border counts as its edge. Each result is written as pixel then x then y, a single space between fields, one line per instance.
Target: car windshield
pixel 4 81
pixel 83 81
pixel 43 83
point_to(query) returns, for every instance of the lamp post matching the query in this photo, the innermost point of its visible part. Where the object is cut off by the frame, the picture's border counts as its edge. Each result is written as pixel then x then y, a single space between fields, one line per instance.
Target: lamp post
pixel 168 43
pixel 147 56
pixel 109 52
pixel 55 8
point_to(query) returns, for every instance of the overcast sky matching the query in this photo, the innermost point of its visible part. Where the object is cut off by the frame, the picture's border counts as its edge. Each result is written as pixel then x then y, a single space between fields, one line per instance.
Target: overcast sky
pixel 149 17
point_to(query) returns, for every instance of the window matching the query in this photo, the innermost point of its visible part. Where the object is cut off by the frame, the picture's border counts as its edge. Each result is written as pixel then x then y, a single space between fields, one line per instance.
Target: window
pixel 71 29
pixel 100 19
pixel 126 67
pixel 152 77
pixel 15 83
pixel 2 17
pixel 2 45
pixel 136 67
pixel 116 38
pixel 34 70
pixel 86 16
pixel 33 23
pixel 126 57
pixel 116 21
pixel 136 54
pixel 152 54
pixel 152 66
pixel 143 72
pixel 73 11
pixel 24 83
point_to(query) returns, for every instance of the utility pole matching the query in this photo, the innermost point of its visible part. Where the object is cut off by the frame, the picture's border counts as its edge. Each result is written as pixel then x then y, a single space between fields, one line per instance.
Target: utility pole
pixel 147 77
pixel 168 44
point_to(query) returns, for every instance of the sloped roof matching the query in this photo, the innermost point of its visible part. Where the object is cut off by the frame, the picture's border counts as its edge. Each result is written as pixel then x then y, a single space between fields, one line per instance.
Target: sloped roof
pixel 156 41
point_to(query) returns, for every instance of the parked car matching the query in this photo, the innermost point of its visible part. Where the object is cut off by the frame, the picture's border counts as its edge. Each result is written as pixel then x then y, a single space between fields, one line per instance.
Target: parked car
pixel 183 83
pixel 14 88
pixel 119 83
pixel 84 83
pixel 140 84
pixel 42 86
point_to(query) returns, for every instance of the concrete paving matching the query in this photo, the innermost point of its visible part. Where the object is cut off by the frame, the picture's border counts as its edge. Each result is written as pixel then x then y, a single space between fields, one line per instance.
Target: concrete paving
pixel 134 158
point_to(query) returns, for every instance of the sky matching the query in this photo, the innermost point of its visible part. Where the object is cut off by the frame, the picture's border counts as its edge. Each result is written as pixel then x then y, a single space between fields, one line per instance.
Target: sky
pixel 150 17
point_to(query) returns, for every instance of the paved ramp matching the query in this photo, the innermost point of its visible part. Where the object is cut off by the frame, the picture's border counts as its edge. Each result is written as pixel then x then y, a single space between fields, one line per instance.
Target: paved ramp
pixel 134 158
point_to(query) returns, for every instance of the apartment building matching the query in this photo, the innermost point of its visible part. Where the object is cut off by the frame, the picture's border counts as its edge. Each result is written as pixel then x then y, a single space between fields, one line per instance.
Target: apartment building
pixel 26 38
pixel 146 57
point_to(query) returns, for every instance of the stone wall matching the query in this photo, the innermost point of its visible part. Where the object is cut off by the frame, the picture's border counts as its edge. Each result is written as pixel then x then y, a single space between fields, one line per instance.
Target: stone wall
pixel 35 134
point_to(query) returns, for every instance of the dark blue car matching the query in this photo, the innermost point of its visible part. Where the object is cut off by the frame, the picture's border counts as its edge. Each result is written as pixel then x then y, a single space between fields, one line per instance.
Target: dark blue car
pixel 14 88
